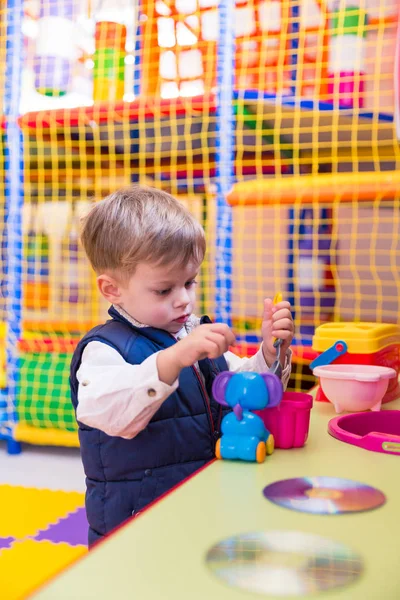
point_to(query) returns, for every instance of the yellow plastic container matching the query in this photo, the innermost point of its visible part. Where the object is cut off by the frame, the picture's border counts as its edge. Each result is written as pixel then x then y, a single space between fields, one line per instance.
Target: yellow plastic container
pixel 367 344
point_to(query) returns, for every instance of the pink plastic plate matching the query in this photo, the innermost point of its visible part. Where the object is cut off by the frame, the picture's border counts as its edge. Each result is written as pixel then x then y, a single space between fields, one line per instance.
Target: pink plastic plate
pixel 376 431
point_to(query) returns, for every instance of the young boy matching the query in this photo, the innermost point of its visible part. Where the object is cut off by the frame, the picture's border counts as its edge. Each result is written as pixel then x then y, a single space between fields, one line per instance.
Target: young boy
pixel 141 383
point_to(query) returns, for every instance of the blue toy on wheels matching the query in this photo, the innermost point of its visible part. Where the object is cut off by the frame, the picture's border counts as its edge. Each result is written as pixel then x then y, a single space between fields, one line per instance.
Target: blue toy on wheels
pixel 244 436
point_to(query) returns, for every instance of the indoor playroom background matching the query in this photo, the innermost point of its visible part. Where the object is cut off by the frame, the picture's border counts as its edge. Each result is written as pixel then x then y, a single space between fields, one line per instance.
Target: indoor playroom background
pixel 273 120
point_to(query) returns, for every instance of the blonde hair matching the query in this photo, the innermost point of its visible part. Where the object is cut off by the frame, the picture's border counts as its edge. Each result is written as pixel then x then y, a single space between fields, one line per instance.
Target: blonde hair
pixel 137 225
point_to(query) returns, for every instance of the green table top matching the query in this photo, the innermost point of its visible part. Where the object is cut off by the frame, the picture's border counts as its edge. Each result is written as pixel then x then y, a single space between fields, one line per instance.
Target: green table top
pixel 160 555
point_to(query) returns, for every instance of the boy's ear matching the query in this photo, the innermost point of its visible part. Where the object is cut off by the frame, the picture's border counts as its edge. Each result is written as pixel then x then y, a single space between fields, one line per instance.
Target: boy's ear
pixel 109 288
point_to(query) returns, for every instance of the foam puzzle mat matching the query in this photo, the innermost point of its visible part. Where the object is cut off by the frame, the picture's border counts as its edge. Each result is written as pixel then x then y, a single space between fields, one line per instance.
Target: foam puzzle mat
pixel 41 533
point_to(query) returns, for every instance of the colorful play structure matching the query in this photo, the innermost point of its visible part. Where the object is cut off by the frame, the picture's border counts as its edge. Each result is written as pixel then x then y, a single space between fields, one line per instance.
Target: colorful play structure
pixel 273 120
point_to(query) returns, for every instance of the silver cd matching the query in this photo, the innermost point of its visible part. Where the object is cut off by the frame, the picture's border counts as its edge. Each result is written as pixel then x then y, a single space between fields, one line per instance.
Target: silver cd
pixel 284 563
pixel 324 495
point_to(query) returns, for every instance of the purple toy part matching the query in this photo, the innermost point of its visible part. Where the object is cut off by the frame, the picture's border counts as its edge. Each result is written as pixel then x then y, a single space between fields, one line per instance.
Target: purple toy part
pixel 375 431
pixel 219 387
pixel 274 387
pixel 238 410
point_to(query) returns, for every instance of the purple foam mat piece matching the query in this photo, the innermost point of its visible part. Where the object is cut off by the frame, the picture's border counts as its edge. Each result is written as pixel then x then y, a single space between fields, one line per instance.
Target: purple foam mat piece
pixel 72 530
pixel 6 542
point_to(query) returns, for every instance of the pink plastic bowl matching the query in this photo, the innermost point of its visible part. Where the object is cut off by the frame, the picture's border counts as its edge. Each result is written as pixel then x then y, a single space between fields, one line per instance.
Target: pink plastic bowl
pixel 289 422
pixel 354 387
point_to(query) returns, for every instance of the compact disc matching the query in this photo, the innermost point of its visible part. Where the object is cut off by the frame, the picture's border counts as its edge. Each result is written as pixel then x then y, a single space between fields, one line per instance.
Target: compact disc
pixel 324 495
pixel 284 563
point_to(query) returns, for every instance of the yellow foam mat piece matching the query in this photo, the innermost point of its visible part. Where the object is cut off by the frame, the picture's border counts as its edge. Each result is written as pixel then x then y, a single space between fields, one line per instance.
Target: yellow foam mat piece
pixel 25 510
pixel 28 564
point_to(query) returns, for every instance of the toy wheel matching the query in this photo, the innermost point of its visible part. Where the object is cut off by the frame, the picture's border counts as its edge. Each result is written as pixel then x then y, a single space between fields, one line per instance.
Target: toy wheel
pixel 261 452
pixel 270 444
pixel 218 449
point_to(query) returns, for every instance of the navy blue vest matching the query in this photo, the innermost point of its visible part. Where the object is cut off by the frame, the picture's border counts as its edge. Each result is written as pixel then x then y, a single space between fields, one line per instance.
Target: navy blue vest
pixel 123 476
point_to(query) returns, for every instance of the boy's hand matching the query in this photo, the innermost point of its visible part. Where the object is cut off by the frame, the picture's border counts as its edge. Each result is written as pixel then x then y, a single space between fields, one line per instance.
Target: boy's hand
pixel 206 341
pixel 277 323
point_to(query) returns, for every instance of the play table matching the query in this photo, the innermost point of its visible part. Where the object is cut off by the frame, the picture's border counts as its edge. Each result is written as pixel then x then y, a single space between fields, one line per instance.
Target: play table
pixel 161 554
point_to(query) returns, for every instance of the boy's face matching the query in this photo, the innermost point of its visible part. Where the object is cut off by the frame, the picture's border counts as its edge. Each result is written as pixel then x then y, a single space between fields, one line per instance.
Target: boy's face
pixel 161 297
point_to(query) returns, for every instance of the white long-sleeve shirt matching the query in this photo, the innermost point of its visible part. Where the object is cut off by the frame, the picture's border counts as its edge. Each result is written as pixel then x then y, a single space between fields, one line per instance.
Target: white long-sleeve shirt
pixel 120 399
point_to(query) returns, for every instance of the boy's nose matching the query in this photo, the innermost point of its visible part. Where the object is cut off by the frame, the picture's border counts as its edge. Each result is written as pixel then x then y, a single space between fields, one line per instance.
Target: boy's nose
pixel 182 299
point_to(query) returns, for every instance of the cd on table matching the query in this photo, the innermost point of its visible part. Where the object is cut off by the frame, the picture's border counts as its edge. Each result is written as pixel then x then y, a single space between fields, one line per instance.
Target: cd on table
pixel 284 563
pixel 324 495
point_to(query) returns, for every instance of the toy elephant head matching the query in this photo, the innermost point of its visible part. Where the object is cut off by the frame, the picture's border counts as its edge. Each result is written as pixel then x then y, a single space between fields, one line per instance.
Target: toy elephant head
pixel 247 390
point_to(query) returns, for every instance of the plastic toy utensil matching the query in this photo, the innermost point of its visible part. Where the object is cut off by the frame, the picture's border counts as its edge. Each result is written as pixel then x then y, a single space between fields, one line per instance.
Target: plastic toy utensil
pixel 276 367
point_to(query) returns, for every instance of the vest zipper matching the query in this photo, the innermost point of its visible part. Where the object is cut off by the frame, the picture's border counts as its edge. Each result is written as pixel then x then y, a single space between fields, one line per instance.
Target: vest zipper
pixel 205 395
pixel 220 418
pixel 214 367
pixel 206 398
